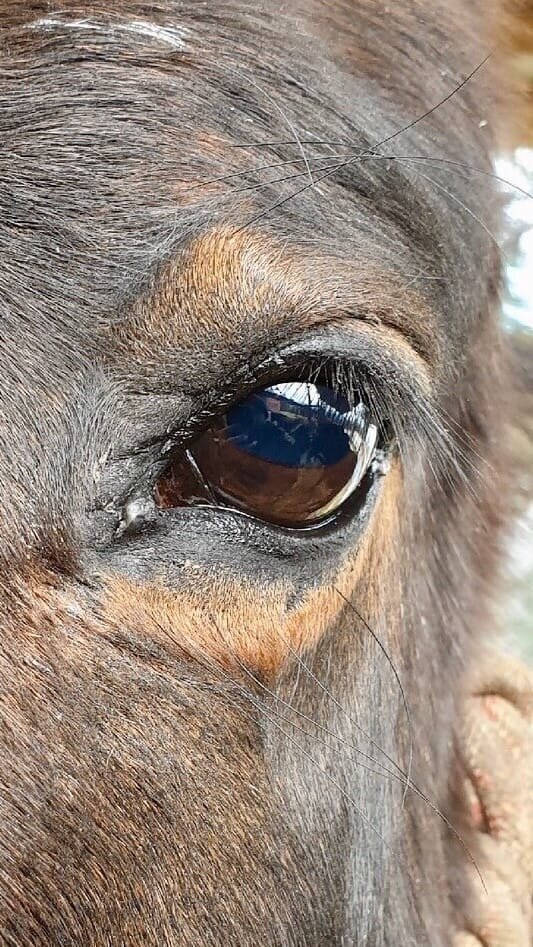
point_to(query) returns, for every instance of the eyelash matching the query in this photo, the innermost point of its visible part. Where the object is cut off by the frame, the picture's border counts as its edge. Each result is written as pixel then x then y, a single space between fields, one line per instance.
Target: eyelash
pixel 335 372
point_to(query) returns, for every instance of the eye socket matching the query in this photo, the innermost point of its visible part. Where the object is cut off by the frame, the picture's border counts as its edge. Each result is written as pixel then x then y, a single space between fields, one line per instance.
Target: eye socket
pixel 290 454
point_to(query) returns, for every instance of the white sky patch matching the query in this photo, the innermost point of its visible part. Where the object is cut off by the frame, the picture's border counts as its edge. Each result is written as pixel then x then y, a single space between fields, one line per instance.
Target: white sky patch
pixel 171 36
pixel 518 304
pixel 301 392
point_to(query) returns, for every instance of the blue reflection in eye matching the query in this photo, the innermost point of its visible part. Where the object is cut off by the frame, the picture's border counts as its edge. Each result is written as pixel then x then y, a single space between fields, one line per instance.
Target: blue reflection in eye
pixel 296 424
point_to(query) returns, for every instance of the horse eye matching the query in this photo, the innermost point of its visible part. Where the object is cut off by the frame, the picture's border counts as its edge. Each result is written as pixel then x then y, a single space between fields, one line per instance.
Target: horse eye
pixel 290 454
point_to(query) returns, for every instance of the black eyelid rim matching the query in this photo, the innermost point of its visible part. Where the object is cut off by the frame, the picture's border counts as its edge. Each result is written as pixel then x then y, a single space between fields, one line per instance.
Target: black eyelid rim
pixel 354 507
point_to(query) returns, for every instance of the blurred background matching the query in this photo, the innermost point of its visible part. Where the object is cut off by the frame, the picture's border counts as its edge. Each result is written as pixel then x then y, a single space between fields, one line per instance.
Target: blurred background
pixel 515 164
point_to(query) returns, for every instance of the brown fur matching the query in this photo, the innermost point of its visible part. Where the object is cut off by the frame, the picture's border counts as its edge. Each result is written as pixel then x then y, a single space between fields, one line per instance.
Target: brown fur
pixel 250 624
pixel 229 284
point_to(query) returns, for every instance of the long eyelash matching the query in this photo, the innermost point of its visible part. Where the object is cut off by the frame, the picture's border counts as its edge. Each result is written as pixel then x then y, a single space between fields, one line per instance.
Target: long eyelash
pixel 450 455
pixel 415 418
pixel 480 463
pixel 412 418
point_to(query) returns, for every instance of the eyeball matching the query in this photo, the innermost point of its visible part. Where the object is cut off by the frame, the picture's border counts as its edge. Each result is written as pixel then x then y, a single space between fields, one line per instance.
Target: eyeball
pixel 291 454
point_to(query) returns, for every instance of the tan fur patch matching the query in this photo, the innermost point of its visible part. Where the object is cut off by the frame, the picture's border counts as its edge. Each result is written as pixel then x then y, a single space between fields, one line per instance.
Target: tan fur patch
pixel 243 285
pixel 219 619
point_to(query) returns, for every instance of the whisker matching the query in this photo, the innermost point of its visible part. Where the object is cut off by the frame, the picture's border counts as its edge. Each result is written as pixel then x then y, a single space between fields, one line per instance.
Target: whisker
pixel 244 77
pixel 384 771
pixel 379 144
pixel 392 666
pixel 343 710
pixel 349 799
pixel 263 167
pixel 466 167
pixel 404 158
pixel 255 187
pixel 285 118
pixel 221 672
pixel 464 206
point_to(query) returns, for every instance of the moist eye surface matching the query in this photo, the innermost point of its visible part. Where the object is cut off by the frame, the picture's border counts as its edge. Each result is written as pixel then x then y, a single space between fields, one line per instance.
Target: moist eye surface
pixel 290 454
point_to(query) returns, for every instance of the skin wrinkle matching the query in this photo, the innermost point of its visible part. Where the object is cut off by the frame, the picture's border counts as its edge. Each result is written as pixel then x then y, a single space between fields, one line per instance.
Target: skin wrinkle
pixel 149 795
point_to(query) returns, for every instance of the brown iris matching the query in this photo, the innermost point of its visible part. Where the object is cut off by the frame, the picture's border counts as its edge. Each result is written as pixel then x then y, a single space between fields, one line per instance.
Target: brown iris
pixel 290 454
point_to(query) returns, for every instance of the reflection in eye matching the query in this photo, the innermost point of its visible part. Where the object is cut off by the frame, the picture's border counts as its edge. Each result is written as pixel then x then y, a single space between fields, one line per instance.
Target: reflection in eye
pixel 290 454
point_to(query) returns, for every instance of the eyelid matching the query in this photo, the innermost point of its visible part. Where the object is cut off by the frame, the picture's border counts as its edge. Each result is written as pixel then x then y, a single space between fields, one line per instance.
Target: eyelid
pixel 382 362
pixel 391 374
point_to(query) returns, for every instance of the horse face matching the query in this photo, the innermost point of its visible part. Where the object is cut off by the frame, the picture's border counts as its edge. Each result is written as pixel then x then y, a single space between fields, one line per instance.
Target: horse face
pixel 250 379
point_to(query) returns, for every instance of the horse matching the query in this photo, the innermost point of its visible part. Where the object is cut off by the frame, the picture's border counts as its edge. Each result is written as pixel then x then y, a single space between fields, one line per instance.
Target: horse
pixel 253 391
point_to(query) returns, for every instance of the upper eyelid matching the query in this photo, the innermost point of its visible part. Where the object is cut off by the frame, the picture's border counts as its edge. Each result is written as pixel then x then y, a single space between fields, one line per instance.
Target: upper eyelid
pixel 401 381
pixel 227 291
pixel 339 346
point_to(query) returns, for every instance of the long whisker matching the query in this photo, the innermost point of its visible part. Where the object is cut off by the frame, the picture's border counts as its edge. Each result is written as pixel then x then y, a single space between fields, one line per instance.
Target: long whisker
pixel 343 710
pixel 403 159
pixel 466 167
pixel 262 184
pixel 464 207
pixel 462 165
pixel 221 672
pixel 285 118
pixel 337 785
pixel 383 771
pixel 392 666
pixel 264 167
pixel 379 144
pixel 244 77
